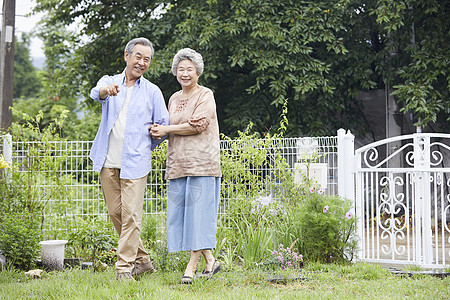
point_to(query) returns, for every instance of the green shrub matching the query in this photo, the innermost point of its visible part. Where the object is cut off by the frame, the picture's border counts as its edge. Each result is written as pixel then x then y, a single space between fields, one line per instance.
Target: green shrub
pixel 19 239
pixel 20 221
pixel 325 225
pixel 90 238
pixel 24 194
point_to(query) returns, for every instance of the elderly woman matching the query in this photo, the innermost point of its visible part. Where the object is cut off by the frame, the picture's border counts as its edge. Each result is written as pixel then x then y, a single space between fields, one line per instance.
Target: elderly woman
pixel 193 166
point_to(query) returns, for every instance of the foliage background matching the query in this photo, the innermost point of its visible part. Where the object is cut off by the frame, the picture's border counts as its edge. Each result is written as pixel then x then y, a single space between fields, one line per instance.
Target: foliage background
pixel 319 55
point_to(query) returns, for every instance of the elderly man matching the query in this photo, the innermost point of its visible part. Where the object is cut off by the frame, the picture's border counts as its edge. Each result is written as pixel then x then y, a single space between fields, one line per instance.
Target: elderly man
pixel 122 151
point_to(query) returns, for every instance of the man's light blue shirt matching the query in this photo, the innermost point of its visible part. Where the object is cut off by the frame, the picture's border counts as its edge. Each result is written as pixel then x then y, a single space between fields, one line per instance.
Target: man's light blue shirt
pixel 146 107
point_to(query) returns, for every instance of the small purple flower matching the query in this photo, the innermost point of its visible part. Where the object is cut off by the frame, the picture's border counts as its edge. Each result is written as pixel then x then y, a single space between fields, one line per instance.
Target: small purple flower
pixel 312 189
pixel 348 215
pixel 325 209
pixel 286 258
pixel 321 191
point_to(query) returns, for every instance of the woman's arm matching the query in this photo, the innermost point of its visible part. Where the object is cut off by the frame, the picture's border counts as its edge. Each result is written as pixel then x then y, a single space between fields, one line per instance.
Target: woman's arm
pixel 157 131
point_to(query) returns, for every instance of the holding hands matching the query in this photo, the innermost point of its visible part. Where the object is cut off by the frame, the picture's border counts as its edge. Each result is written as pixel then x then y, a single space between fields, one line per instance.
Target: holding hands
pixel 157 131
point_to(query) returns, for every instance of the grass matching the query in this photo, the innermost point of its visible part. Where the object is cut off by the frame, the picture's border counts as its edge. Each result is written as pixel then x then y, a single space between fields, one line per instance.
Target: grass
pixel 413 268
pixel 358 281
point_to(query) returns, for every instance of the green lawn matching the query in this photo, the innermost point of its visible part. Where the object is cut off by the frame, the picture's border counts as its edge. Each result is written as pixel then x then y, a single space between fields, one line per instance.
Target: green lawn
pixel 320 281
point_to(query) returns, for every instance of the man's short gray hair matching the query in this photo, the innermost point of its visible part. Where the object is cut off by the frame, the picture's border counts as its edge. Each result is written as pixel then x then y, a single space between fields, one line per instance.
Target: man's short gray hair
pixel 192 55
pixel 138 41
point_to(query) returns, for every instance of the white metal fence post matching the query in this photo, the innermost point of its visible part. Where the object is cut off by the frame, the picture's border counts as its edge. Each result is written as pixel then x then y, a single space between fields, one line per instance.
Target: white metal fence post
pixel 349 150
pixel 341 161
pixel 7 148
pixel 346 173
pixel 424 247
pixel 346 164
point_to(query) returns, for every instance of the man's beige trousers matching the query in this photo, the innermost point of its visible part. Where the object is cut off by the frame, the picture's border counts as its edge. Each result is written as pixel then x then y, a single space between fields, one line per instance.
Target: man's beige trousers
pixel 124 199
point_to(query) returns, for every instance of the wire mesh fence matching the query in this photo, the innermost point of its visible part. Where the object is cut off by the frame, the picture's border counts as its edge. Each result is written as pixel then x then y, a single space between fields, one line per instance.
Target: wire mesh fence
pixel 71 189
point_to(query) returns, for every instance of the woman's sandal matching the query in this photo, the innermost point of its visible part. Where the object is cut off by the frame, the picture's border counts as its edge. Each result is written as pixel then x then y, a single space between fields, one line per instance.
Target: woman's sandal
pixel 186 279
pixel 214 270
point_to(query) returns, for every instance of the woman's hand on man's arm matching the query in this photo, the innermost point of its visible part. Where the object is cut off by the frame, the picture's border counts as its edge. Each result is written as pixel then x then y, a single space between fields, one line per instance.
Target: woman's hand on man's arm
pixel 158 131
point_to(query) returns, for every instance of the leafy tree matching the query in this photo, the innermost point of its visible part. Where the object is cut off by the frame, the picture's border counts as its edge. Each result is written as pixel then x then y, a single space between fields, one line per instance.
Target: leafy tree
pixel 317 54
pixel 26 80
pixel 418 31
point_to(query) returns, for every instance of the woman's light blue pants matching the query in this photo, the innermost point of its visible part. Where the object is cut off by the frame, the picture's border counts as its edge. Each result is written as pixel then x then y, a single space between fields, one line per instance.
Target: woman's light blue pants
pixel 192 208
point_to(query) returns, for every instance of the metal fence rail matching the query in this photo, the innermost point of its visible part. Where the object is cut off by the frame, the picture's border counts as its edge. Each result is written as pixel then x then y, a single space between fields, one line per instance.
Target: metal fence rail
pixel 75 191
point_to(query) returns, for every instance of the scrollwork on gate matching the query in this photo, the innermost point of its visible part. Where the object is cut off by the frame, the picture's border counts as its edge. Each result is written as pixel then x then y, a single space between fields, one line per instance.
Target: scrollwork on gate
pixel 391 204
pixel 427 155
pixel 370 156
pixel 436 156
pixel 393 236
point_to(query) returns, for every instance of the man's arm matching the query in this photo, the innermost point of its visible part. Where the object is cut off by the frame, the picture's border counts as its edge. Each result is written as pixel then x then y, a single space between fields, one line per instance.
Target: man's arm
pixel 105 87
pixel 111 90
pixel 160 117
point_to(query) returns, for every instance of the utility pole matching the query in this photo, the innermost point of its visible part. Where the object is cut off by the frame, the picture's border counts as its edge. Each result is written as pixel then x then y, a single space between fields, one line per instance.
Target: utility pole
pixel 7 63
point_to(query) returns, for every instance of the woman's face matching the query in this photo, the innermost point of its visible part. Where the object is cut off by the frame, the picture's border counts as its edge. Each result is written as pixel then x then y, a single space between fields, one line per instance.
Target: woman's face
pixel 187 74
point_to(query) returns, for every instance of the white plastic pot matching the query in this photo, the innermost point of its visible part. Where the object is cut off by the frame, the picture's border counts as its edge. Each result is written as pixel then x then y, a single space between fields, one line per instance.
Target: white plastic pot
pixel 52 254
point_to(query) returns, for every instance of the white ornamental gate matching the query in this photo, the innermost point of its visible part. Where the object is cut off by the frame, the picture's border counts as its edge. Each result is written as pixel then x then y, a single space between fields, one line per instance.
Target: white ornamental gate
pixel 401 188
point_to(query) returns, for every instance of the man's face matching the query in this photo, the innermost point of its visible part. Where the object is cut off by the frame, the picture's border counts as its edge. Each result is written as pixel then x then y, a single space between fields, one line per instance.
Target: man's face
pixel 138 61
